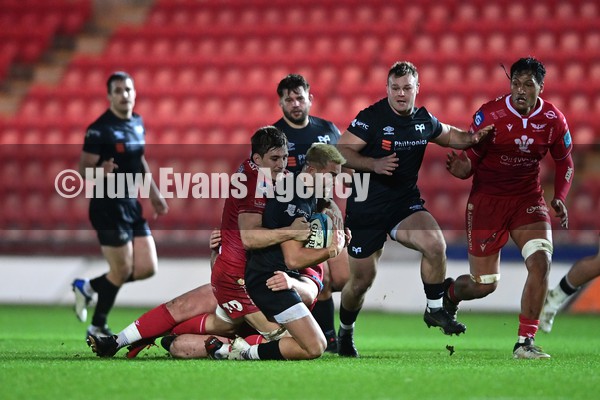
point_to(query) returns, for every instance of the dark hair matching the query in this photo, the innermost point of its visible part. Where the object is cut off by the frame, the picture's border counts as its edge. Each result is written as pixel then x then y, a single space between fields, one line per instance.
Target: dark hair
pixel 401 68
pixel 117 76
pixel 267 138
pixel 291 83
pixel 529 64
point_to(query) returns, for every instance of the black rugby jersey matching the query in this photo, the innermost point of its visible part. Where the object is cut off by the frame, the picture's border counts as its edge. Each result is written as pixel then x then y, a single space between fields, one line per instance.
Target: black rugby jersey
pixel 318 130
pixel 385 133
pixel 122 139
pixel 278 214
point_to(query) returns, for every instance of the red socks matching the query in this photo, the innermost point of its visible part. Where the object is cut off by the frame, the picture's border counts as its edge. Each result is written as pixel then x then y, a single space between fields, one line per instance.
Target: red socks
pixel 528 327
pixel 155 322
pixel 196 325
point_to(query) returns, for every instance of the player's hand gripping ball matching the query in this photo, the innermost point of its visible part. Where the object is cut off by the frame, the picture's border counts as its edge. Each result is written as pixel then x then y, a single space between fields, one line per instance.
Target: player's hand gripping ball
pixel 321 231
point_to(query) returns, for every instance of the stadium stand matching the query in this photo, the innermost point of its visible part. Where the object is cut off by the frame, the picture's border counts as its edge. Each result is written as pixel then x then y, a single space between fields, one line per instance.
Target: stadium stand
pixel 206 74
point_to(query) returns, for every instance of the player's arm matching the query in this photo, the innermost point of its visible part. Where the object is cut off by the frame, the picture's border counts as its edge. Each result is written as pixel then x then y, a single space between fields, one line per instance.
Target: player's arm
pixel 254 236
pixel 156 198
pixel 90 160
pixel 350 146
pixel 306 288
pixel 214 244
pixel 296 256
pixel 563 177
pixel 459 139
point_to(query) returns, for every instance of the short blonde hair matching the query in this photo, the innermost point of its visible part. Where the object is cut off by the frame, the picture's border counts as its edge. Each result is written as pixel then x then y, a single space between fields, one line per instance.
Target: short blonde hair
pixel 319 154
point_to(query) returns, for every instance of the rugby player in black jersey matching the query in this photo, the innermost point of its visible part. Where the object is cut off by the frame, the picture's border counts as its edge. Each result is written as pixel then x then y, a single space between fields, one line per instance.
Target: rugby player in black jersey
pixel 114 144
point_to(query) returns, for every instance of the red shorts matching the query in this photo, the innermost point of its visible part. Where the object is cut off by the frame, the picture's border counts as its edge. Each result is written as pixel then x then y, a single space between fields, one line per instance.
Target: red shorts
pixel 230 292
pixel 489 219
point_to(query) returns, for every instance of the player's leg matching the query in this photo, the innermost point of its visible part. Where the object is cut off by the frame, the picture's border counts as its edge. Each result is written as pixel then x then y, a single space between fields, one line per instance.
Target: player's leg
pixel 115 231
pixel 107 286
pixel 362 276
pixel 420 231
pixel 535 242
pixel 145 261
pixel 582 272
pixel 323 310
pixel 188 346
pixel 485 221
pixel 158 321
pixel 304 341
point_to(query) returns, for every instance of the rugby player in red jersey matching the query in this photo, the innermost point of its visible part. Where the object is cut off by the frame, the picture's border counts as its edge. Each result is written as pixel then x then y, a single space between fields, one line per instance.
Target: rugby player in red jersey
pixel 507 199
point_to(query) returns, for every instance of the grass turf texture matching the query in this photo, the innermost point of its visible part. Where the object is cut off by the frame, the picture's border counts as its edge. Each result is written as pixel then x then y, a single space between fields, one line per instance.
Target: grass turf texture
pixel 43 355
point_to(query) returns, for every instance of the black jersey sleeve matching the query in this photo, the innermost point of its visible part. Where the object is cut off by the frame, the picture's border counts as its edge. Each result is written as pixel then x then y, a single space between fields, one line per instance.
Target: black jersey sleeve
pixel 93 140
pixel 362 124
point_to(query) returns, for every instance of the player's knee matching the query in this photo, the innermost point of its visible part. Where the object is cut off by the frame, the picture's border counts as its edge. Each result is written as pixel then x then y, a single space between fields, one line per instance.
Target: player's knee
pixel 179 350
pixel 316 350
pixel 537 245
pixel 486 283
pixel 435 249
pixel 361 286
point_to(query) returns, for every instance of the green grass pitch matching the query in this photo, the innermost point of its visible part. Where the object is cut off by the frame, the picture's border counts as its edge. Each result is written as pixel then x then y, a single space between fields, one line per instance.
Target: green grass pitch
pixel 43 355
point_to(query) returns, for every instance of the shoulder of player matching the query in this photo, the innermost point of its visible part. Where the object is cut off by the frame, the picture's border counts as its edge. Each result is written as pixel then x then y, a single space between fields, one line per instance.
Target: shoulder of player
pixel 323 125
pixel 548 107
pixel 280 123
pixel 100 126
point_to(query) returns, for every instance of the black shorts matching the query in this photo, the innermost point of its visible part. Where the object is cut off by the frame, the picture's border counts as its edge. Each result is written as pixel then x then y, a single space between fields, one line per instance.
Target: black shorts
pixel 370 229
pixel 270 303
pixel 117 222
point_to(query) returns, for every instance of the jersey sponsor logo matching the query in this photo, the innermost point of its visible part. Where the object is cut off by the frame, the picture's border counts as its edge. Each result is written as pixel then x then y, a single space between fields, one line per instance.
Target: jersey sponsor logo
pixel 567 139
pixel 538 126
pixel 478 118
pixel 542 210
pixel 388 130
pixel 386 145
pixel 292 161
pixel 92 132
pixel 408 144
pixel 359 124
pixel 291 146
pixel 523 142
pixel 550 114
pixel 509 126
pixel 324 139
pixel 420 127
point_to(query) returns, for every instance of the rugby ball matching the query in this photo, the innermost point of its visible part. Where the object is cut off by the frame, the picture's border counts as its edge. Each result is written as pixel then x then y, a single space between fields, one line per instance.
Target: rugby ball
pixel 321 231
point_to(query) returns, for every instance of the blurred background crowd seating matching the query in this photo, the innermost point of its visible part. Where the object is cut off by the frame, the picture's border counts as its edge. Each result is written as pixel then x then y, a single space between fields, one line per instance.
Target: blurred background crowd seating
pixel 206 74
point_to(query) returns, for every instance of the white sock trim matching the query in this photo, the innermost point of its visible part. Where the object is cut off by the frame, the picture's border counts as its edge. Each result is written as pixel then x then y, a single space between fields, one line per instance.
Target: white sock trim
pixel 129 335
